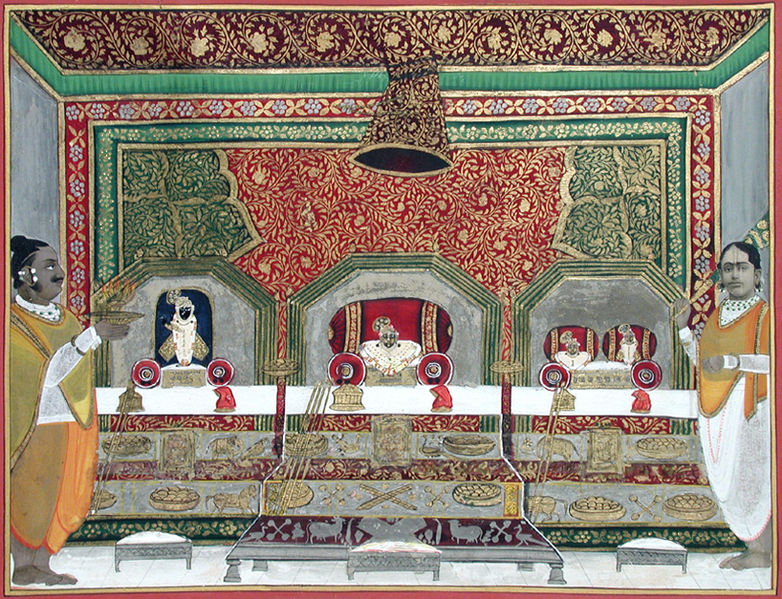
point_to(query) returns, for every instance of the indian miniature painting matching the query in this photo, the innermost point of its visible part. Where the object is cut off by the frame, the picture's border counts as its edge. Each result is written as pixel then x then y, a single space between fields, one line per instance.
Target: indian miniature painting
pixel 387 299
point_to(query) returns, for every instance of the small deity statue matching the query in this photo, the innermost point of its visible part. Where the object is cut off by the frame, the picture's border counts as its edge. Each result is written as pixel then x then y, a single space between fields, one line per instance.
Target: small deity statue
pixel 628 346
pixel 572 358
pixel 184 341
pixel 388 354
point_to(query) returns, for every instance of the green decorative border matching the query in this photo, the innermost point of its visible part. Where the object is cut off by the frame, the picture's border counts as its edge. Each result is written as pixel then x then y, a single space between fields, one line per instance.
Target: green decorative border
pixel 229 529
pixel 683 426
pixel 349 80
pixel 245 287
pixel 264 422
pixel 439 267
pixel 490 424
pixel 592 537
pixel 101 530
pixel 108 137
pixel 527 300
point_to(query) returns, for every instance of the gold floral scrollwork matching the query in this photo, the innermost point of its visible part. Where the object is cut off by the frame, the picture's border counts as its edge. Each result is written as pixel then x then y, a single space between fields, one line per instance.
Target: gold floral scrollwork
pixel 232 38
pixel 74 40
pixel 139 46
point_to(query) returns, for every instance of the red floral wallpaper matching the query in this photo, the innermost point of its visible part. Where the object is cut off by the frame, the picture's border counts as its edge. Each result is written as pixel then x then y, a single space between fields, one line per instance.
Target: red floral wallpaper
pixel 493 214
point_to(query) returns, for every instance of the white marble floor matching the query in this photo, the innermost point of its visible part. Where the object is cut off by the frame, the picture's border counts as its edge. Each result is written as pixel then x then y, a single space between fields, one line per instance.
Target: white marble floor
pixel 94 567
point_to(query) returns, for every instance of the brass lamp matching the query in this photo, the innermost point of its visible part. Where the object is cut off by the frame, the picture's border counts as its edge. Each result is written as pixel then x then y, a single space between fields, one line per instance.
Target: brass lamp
pixel 407 135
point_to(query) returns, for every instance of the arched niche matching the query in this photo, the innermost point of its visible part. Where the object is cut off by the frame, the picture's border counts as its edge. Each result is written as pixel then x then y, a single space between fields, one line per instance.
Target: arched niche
pixel 244 317
pixel 599 295
pixel 475 312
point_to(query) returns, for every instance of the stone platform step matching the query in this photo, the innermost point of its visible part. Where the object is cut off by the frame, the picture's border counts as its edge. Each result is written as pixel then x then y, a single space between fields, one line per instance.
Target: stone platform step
pixel 393 498
pixel 293 537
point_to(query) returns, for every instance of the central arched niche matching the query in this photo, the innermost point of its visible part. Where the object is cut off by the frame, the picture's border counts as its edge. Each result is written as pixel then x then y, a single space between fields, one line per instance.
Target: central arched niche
pixel 474 311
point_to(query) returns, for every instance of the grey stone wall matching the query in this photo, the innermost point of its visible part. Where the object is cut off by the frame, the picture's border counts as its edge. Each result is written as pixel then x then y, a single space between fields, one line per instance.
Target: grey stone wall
pixel 34 168
pixel 744 158
pixel 466 317
pixel 233 323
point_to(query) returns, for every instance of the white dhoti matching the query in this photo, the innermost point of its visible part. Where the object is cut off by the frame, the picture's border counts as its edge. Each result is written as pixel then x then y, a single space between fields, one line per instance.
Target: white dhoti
pixel 737 454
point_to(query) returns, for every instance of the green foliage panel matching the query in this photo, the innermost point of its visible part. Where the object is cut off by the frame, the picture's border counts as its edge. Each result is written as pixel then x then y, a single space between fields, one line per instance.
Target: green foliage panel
pixel 617 203
pixel 180 204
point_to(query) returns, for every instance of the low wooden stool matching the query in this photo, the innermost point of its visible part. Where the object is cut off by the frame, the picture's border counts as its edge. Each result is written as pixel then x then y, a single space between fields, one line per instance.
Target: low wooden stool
pixel 393 556
pixel 651 552
pixel 152 545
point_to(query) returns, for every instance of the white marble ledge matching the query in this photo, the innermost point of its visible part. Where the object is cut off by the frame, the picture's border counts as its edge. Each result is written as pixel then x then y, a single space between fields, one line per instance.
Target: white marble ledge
pixel 482 400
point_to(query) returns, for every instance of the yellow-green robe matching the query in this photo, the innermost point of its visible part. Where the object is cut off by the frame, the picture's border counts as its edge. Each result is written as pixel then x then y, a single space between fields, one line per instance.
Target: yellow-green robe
pixel 53 465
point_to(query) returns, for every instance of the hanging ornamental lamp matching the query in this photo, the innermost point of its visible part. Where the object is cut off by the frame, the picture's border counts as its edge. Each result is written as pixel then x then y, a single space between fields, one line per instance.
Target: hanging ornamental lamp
pixel 407 135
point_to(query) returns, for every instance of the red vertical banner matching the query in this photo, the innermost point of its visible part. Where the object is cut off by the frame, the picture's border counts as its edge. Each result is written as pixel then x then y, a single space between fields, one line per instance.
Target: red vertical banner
pixel 505 403
pixel 506 418
pixel 507 325
pixel 282 328
pixel 280 411
pixel 279 417
pixel 76 251
pixel 704 233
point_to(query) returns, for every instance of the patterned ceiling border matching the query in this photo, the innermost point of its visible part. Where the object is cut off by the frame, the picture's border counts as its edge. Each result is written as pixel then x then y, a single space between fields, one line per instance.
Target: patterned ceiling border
pixel 697 112
pixel 81 40
pixel 346 80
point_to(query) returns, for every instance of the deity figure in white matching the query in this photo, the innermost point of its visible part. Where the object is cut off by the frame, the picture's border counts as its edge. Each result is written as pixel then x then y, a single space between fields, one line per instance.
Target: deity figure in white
pixel 628 346
pixel 184 341
pixel 572 357
pixel 388 354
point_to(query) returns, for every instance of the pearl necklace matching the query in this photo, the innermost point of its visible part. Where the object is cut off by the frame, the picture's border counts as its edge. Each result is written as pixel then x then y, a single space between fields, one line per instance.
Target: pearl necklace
pixel 731 310
pixel 50 312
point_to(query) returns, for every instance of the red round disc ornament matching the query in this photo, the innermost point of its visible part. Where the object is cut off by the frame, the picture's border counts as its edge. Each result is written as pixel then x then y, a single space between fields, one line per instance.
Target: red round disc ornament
pixel 435 368
pixel 554 376
pixel 647 374
pixel 145 373
pixel 347 368
pixel 220 372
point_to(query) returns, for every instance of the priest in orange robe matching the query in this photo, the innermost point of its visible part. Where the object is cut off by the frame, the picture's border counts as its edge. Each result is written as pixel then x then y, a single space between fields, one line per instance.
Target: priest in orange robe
pixel 52 415
pixel 732 357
